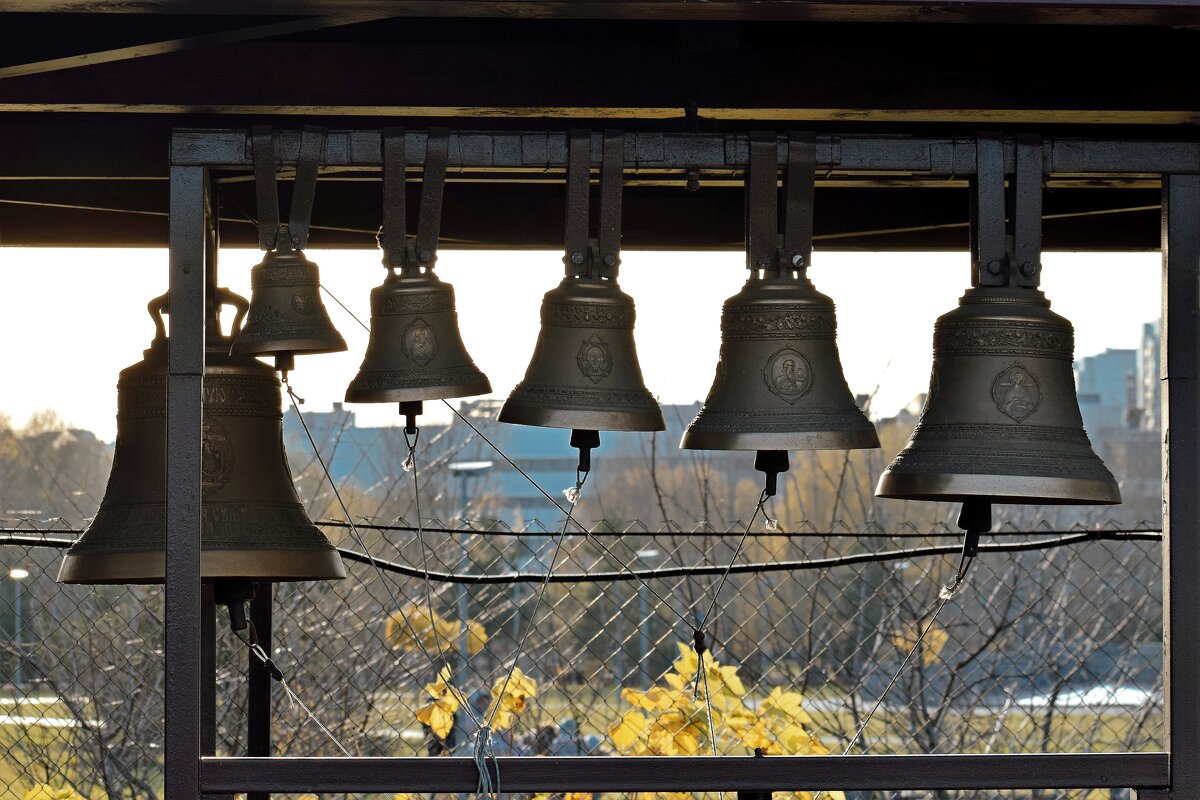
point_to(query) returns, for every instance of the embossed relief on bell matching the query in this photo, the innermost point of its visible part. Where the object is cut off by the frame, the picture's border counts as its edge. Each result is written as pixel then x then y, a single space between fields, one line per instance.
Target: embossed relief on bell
pixel 594 359
pixel 420 341
pixel 788 374
pixel 1015 392
pixel 217 460
pixel 303 303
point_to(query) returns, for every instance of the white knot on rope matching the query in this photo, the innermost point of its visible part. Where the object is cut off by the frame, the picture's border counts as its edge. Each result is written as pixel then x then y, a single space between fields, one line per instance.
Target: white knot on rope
pixel 482 754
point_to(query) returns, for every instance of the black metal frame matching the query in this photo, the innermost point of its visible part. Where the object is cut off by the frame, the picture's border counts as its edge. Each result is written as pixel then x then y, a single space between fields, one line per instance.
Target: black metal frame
pixel 189 774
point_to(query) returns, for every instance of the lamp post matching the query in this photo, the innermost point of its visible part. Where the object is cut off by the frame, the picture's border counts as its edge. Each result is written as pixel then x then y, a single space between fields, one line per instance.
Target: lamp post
pixel 644 556
pixel 18 574
pixel 464 471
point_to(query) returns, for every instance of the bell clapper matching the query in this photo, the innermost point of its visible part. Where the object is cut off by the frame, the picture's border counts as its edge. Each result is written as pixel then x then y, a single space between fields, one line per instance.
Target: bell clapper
pixel 410 411
pixel 285 362
pixel 975 519
pixel 234 593
pixel 585 441
pixel 771 462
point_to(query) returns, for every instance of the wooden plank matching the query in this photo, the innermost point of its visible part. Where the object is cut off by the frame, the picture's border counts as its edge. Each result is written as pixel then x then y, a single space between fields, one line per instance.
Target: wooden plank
pixel 1086 12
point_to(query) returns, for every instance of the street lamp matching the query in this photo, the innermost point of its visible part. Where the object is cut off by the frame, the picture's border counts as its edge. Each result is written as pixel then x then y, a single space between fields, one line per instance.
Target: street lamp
pixel 18 574
pixel 644 555
pixel 465 470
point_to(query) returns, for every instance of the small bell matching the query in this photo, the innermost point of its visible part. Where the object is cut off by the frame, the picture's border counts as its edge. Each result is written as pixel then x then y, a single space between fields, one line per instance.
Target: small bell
pixel 1001 419
pixel 253 524
pixel 585 373
pixel 286 314
pixel 779 382
pixel 415 351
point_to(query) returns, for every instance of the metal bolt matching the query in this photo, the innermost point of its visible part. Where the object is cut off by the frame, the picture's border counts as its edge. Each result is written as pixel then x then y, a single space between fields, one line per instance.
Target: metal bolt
pixel 798 261
pixel 994 267
pixel 426 255
pixel 1028 269
pixel 576 258
pixel 610 260
pixel 693 180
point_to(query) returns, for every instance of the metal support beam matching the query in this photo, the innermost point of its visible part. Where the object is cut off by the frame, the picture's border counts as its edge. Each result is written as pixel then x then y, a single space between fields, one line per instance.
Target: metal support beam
pixel 258 711
pixel 182 693
pixel 690 773
pixel 535 152
pixel 1181 471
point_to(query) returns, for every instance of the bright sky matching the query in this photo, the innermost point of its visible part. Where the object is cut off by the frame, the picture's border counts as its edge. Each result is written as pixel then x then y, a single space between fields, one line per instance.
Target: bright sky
pixel 75 318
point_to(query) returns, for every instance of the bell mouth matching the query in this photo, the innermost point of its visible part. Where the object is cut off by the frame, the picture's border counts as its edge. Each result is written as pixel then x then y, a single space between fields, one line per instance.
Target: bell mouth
pixel 517 413
pixel 150 567
pixel 864 438
pixel 1017 489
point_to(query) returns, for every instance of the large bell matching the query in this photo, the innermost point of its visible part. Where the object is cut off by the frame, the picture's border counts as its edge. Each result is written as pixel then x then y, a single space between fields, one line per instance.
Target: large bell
pixel 584 373
pixel 286 314
pixel 253 525
pixel 415 351
pixel 1001 420
pixel 779 382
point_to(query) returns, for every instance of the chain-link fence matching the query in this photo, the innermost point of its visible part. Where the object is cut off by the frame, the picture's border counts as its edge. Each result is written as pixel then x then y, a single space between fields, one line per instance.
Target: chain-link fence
pixel 826 624
pixel 1053 643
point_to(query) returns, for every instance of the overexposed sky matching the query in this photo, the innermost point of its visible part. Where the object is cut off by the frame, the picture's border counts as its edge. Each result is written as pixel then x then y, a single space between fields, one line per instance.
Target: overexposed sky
pixel 74 318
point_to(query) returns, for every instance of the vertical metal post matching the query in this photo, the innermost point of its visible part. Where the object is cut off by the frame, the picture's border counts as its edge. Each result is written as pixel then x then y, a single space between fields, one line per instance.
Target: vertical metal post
pixel 1181 470
pixel 185 374
pixel 258 712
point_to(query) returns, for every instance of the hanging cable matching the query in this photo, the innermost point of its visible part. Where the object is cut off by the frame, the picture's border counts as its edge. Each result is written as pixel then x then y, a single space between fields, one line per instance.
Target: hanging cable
pixel 607 550
pixel 277 675
pixel 354 531
pixel 410 465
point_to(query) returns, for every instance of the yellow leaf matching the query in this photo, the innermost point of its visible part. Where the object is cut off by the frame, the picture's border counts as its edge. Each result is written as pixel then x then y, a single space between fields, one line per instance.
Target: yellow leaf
pixel 477 637
pixel 935 639
pixel 787 703
pixel 439 716
pixel 44 791
pixel 654 699
pixel 577 796
pixel 628 730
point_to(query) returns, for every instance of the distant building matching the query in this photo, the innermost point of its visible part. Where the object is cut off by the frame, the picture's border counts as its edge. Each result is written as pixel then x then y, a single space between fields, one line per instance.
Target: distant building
pixel 1105 384
pixel 1149 377
pixel 366 457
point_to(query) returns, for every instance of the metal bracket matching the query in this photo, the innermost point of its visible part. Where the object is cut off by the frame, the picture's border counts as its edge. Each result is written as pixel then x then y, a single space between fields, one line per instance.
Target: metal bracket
pixel 399 249
pixel 600 257
pixel 762 204
pixel 579 176
pixel 393 238
pixel 312 144
pixel 1026 260
pixel 800 190
pixel 266 194
pixel 433 185
pixel 612 179
pixel 989 255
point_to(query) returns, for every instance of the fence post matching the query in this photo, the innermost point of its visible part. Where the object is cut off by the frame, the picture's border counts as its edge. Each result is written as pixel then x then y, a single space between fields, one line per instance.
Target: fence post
pixel 1181 470
pixel 185 375
pixel 258 710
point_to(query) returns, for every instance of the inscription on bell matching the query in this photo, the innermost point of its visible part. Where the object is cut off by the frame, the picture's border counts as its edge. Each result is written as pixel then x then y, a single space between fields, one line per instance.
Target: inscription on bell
pixel 420 342
pixel 788 374
pixel 594 359
pixel 1015 392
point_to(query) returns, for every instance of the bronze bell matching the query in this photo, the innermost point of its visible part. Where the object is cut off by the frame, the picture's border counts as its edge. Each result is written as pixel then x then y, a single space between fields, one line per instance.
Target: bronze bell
pixel 415 352
pixel 779 382
pixel 253 523
pixel 286 314
pixel 584 373
pixel 1001 420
